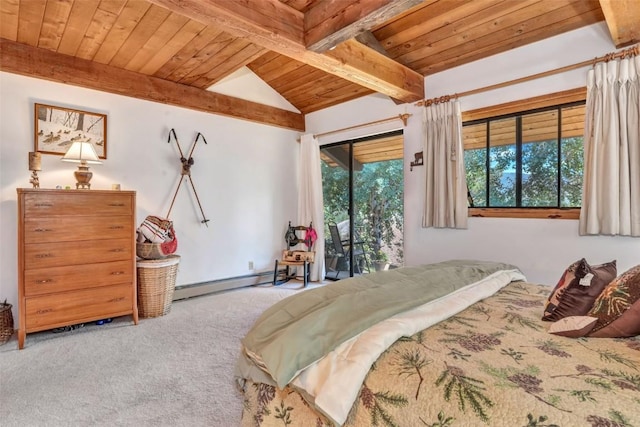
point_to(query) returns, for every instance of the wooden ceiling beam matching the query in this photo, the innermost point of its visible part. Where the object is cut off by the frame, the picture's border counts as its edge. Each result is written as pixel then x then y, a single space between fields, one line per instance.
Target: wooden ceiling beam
pixel 31 61
pixel 329 23
pixel 368 39
pixel 278 27
pixel 623 20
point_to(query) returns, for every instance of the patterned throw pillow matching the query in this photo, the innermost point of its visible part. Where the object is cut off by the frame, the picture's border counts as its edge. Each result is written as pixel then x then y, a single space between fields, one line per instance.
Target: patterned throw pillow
pixel 578 289
pixel 573 326
pixel 618 307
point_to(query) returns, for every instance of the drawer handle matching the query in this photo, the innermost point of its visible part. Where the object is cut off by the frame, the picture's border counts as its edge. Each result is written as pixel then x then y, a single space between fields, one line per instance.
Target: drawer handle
pixel 117 273
pixel 44 255
pixel 41 230
pixel 116 204
pixel 116 227
pixel 45 281
pixel 116 299
pixel 116 250
pixel 43 205
pixel 46 310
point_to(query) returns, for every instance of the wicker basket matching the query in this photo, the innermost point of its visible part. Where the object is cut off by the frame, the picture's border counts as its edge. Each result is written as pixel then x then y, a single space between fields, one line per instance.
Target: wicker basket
pixel 6 322
pixel 149 251
pixel 156 283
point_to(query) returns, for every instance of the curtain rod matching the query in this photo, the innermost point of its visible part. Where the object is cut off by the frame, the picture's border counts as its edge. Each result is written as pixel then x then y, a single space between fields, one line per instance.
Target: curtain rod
pixel 402 117
pixel 635 50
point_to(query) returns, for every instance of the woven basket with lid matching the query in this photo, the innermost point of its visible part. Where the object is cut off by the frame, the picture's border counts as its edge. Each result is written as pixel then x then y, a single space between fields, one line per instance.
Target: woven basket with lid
pixel 156 283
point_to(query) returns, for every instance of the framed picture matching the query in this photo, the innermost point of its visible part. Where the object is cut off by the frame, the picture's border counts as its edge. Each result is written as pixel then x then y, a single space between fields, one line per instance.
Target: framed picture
pixel 56 128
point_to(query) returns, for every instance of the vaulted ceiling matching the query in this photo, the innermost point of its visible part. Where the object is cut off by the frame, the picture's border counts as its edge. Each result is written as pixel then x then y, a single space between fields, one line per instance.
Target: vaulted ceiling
pixel 315 53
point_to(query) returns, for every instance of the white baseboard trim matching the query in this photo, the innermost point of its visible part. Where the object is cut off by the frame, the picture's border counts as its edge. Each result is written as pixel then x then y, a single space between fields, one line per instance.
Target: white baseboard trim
pixel 198 289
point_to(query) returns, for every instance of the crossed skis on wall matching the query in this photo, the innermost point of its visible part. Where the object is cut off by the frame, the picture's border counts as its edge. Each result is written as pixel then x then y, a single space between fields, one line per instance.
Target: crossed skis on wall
pixel 186 171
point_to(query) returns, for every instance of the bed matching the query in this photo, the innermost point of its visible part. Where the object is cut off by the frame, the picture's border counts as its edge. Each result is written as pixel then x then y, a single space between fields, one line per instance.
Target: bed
pixel 483 357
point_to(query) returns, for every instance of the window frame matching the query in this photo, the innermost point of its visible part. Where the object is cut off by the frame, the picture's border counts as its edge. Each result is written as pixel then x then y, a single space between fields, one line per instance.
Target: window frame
pixel 526 106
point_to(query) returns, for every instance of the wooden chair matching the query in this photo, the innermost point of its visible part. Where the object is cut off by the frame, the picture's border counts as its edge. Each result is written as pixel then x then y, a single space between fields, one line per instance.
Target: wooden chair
pixel 291 260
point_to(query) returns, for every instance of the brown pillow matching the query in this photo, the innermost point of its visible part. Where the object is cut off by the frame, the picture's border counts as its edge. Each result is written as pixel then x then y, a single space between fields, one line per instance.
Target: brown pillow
pixel 573 326
pixel 578 289
pixel 618 307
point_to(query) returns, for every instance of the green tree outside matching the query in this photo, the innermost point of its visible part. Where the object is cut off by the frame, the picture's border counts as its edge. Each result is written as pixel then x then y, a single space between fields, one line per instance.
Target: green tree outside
pixel 539 174
pixel 378 205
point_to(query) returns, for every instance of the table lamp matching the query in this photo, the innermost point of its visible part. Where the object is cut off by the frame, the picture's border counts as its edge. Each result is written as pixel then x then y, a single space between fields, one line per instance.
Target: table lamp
pixel 83 153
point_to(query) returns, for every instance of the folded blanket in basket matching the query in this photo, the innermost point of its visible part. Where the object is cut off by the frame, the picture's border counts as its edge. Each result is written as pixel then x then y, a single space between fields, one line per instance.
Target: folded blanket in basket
pixel 156 229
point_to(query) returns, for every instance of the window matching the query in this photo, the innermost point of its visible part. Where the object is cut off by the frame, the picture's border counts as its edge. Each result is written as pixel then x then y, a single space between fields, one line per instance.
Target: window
pixel 525 163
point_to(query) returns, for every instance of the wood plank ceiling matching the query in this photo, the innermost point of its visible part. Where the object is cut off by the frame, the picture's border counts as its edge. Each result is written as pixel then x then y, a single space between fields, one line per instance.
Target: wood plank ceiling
pixel 315 53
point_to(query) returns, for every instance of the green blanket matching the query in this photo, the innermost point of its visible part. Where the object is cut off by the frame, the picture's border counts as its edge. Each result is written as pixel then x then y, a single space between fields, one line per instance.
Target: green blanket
pixel 299 330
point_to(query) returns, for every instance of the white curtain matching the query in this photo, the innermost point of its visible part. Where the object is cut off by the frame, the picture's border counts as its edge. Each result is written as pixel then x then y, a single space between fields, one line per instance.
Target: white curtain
pixel 445 204
pixel 310 202
pixel 611 183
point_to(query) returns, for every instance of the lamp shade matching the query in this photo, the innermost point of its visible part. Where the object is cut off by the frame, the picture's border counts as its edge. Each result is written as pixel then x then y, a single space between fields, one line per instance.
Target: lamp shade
pixel 35 161
pixel 81 152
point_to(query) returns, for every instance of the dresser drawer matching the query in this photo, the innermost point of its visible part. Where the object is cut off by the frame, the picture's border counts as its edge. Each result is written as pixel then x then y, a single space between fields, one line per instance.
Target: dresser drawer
pixel 72 228
pixel 43 255
pixel 49 311
pixel 78 202
pixel 42 281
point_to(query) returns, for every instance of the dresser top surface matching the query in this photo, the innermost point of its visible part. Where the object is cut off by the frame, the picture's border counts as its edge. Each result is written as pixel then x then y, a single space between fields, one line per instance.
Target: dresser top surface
pixel 70 191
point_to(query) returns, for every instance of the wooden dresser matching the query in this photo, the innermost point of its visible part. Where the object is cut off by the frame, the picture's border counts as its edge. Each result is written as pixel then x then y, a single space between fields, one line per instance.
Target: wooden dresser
pixel 76 257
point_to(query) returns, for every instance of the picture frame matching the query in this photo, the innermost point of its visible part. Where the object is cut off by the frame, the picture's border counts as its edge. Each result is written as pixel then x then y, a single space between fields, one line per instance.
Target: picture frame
pixel 56 128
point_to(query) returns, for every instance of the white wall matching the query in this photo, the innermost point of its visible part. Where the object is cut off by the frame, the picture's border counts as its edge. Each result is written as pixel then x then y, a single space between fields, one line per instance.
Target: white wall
pixel 244 83
pixel 541 248
pixel 242 176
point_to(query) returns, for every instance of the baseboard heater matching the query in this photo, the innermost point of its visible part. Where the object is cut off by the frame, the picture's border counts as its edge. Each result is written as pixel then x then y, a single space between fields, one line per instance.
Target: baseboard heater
pixel 204 288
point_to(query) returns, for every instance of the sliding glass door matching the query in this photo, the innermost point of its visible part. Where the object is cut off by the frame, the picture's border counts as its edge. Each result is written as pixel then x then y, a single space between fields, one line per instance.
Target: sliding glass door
pixel 363 200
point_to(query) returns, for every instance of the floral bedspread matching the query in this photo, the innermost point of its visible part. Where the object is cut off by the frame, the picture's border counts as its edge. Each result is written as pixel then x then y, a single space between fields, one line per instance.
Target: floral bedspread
pixel 493 364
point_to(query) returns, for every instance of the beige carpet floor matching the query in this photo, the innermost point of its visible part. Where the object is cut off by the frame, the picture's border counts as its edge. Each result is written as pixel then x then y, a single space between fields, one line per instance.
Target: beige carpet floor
pixel 174 370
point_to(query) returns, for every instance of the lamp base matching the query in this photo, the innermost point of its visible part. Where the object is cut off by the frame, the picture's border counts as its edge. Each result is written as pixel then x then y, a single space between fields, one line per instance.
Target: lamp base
pixel 35 181
pixel 83 176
